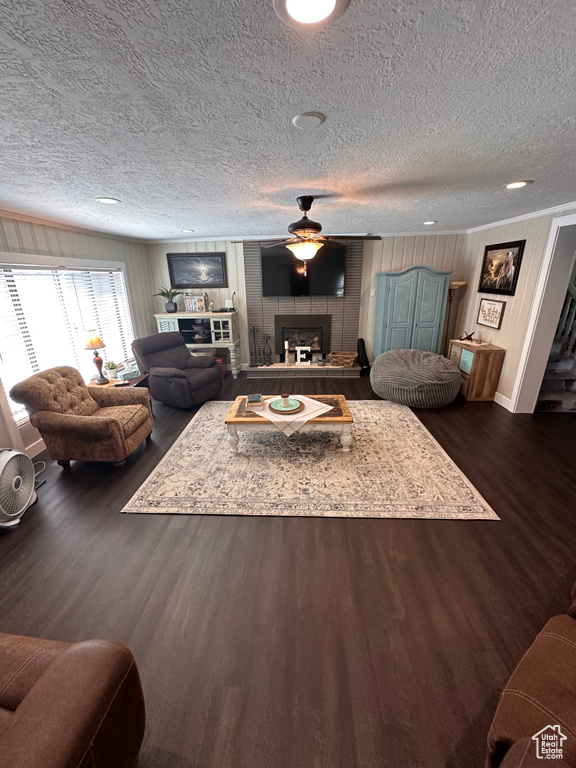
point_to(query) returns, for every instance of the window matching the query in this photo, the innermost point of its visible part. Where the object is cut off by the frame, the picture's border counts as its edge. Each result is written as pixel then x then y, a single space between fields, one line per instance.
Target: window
pixel 45 315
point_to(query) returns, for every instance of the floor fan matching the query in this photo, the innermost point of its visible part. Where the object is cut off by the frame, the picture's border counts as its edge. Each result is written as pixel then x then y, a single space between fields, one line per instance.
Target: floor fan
pixel 17 481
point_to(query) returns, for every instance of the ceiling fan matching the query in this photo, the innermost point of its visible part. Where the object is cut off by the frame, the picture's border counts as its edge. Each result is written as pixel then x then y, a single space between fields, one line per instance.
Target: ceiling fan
pixel 306 238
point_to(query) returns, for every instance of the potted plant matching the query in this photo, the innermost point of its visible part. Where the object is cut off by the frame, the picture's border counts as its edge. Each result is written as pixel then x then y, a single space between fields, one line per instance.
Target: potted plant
pixel 169 294
pixel 111 368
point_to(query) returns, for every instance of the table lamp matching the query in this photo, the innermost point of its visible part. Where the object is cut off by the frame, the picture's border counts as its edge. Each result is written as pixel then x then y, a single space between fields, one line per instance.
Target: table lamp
pixel 95 343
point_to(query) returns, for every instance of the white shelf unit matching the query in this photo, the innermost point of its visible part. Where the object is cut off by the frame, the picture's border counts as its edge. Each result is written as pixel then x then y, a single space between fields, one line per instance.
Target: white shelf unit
pixel 221 328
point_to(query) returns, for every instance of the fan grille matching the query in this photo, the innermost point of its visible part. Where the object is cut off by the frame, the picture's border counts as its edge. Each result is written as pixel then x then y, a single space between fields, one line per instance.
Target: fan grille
pixel 16 485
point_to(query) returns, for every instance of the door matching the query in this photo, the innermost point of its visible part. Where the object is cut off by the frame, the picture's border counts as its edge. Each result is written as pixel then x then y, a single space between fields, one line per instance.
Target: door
pixel 429 311
pixel 401 300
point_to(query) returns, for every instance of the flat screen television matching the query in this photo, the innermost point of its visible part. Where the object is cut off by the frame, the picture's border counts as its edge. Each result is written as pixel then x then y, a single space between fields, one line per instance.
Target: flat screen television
pixel 283 273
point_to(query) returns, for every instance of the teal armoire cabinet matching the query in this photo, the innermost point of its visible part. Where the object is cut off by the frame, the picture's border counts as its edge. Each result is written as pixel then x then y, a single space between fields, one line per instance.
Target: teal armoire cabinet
pixel 410 309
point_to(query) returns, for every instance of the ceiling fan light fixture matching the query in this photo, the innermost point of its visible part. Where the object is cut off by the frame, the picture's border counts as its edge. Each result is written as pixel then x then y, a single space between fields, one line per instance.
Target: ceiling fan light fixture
pixel 305 250
pixel 309 12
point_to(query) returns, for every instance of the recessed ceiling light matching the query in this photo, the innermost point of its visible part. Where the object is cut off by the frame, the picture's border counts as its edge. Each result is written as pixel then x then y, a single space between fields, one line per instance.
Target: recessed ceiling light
pixel 429 222
pixel 309 120
pixel 108 200
pixel 517 184
pixel 310 11
pixel 296 12
pixel 187 230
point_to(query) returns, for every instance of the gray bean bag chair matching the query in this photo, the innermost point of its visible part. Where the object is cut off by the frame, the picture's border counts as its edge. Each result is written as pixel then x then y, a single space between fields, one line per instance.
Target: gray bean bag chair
pixel 415 378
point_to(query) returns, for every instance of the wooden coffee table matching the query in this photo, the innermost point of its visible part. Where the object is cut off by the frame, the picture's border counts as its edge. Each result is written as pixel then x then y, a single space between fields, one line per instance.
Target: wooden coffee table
pixel 338 420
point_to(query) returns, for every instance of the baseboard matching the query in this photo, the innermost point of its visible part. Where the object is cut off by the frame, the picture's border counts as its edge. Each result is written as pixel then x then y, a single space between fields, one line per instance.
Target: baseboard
pixel 505 402
pixel 37 447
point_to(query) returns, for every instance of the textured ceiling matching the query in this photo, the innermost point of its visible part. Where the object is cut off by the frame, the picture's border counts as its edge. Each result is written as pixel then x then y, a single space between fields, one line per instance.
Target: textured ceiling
pixel 182 108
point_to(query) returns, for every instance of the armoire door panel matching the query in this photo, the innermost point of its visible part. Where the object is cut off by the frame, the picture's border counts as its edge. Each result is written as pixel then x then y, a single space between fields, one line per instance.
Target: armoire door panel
pixel 400 338
pixel 424 338
pixel 410 309
pixel 401 302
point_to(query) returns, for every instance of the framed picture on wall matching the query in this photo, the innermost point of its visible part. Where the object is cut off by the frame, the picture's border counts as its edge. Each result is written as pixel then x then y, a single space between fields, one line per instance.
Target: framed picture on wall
pixel 490 313
pixel 501 267
pixel 197 270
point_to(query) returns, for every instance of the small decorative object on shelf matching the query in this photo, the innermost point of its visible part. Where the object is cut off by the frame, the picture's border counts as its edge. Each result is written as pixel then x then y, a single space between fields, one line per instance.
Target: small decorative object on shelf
pixel 254 402
pixel 195 303
pixel 343 359
pixel 302 354
pixel 169 294
pixel 468 337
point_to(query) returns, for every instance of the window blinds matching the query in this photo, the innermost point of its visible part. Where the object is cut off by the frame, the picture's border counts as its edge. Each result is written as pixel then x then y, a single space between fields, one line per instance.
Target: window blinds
pixel 45 315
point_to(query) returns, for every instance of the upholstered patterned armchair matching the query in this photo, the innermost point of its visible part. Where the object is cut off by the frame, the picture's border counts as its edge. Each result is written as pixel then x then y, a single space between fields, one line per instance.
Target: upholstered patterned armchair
pixel 84 423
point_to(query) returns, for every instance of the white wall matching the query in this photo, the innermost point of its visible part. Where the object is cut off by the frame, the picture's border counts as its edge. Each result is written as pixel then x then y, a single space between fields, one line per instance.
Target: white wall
pixel 235 273
pixel 24 235
pixel 443 252
pixel 518 308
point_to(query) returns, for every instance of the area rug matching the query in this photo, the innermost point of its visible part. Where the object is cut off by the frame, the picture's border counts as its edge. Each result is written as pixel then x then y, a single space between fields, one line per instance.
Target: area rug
pixel 394 469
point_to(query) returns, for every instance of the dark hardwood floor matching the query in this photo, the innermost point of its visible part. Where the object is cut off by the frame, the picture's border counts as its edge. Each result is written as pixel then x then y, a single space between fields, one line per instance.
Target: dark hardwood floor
pixel 269 642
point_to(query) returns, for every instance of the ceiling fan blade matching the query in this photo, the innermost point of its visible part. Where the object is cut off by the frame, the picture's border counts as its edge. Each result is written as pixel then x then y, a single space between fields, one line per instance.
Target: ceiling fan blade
pixel 354 237
pixel 292 241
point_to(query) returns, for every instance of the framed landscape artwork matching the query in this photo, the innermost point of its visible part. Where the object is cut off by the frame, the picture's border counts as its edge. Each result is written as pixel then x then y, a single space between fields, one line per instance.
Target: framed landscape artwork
pixel 501 267
pixel 197 270
pixel 490 313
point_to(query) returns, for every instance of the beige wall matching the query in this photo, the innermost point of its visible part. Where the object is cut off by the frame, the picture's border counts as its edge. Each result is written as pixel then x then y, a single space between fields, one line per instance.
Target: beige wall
pixel 235 272
pixel 28 236
pixel 443 252
pixel 21 235
pixel 517 311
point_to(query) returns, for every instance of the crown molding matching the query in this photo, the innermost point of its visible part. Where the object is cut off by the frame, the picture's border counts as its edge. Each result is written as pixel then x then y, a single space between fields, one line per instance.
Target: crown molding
pixel 523 217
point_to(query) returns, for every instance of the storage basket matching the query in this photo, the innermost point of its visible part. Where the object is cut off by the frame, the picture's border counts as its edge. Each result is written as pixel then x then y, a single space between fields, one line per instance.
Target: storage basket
pixel 344 359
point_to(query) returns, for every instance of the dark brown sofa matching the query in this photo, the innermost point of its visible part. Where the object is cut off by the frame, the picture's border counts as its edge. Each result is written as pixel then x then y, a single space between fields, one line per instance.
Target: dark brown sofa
pixel 177 378
pixel 68 706
pixel 541 692
pixel 84 423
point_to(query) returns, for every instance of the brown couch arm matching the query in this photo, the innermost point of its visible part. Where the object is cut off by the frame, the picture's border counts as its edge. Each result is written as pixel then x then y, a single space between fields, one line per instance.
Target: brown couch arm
pixel 82 428
pixel 87 709
pixel 23 660
pixel 121 396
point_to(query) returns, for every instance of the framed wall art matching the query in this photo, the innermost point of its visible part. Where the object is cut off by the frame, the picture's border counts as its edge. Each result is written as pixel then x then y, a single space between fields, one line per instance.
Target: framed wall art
pixel 490 313
pixel 197 270
pixel 501 267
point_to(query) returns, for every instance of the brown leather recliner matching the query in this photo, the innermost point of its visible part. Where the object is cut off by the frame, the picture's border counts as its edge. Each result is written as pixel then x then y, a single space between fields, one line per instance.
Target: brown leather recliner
pixel 84 423
pixel 68 705
pixel 177 378
pixel 541 692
